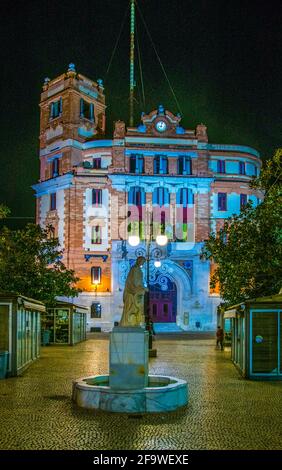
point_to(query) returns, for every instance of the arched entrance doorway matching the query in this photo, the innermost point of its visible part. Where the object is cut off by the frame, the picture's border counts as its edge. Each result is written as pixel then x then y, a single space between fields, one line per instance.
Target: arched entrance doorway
pixel 163 302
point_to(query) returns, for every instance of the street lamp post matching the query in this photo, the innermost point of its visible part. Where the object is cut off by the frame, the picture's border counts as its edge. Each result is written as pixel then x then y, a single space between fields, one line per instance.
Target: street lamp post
pixel 161 240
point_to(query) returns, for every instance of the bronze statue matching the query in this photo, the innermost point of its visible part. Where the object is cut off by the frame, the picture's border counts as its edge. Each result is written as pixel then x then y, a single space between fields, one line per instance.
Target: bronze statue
pixel 133 296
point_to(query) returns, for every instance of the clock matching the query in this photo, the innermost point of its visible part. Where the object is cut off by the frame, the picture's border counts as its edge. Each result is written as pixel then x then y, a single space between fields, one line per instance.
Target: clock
pixel 161 126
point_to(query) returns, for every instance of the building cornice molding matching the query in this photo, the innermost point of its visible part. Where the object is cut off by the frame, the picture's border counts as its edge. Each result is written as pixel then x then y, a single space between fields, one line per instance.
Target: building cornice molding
pixel 53 185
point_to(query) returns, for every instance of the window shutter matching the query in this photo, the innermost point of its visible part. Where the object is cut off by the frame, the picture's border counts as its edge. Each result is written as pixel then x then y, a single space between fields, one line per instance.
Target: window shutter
pixel 143 197
pixel 81 107
pixel 91 111
pixel 61 106
pixel 166 196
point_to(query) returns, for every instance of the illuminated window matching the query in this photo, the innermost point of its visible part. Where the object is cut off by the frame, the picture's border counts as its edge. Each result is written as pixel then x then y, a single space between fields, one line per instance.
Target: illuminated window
pixel 96 310
pixel 96 275
pixel 96 238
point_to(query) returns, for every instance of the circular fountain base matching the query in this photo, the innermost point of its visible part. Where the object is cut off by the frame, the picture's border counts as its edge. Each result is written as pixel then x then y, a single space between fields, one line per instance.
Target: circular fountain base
pixel 163 394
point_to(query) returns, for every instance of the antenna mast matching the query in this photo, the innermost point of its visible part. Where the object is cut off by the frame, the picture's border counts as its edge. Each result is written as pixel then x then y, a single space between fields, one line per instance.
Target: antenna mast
pixel 132 81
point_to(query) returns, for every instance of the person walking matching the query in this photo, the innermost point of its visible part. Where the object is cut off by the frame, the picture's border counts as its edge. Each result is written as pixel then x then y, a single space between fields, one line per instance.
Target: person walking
pixel 219 337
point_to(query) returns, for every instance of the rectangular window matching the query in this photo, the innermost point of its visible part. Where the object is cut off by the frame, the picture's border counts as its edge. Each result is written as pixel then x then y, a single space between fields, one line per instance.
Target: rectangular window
pixel 136 164
pixel 53 202
pixel 96 197
pixel 220 166
pixel 243 200
pixel 222 201
pixel 86 110
pixel 96 310
pixel 56 108
pixel 160 165
pixel 96 238
pixel 96 163
pixel 184 165
pixel 96 275
pixel 242 169
pixel 55 167
pixel 132 168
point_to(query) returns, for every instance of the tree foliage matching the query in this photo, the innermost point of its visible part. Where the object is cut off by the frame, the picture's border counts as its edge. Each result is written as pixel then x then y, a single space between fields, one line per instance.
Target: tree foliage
pixel 248 248
pixel 4 211
pixel 30 265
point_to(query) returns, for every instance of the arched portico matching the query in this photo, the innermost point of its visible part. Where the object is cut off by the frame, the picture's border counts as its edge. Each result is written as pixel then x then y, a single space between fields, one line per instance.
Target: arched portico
pixel 173 272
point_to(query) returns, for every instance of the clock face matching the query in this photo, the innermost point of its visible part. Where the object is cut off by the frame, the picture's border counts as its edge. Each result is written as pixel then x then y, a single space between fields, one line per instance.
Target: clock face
pixel 161 126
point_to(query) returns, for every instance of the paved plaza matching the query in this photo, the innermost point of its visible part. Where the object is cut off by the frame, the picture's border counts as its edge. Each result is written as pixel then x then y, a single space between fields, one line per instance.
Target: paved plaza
pixel 224 411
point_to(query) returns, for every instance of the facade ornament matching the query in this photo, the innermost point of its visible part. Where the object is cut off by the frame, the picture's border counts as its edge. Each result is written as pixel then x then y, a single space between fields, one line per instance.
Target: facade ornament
pixel 100 83
pixel 46 83
pixel 201 133
pixel 119 130
pixel 71 71
pixel 71 68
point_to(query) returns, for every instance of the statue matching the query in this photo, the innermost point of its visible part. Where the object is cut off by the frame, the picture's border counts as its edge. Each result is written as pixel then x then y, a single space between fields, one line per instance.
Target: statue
pixel 133 296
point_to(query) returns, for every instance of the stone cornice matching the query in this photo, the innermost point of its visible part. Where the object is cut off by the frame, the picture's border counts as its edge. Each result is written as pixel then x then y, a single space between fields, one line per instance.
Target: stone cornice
pixel 52 185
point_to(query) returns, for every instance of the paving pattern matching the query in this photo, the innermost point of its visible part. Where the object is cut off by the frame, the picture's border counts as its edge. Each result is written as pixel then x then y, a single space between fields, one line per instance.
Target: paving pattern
pixel 224 411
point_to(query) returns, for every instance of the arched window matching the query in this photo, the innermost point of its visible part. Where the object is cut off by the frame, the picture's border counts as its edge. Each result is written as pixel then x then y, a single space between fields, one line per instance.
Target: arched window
pixel 184 165
pixel 161 196
pixel 160 165
pixel 137 196
pixel 184 214
pixel 184 197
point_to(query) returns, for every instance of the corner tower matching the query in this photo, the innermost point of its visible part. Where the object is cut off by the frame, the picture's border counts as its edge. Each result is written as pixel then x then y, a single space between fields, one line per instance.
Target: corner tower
pixel 72 108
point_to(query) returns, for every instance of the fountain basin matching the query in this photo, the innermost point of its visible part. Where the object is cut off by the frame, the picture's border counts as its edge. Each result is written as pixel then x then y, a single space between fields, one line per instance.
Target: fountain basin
pixel 164 393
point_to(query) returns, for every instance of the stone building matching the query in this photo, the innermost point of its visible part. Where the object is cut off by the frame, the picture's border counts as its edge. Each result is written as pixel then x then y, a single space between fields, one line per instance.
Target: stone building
pixel 156 178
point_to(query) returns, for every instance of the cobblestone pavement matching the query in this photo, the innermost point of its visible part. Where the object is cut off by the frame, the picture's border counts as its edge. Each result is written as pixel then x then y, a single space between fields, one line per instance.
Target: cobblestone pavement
pixel 224 411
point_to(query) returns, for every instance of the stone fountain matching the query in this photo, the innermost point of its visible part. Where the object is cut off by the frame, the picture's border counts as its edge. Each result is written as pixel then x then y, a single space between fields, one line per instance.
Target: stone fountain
pixel 129 388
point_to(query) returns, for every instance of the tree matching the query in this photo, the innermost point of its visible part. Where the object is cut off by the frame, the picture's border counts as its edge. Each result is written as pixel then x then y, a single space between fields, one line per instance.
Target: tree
pixel 4 211
pixel 30 265
pixel 248 249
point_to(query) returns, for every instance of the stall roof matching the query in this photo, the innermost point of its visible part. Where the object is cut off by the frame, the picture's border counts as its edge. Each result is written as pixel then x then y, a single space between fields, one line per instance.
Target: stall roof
pixel 271 299
pixel 27 302
pixel 70 304
pixel 277 298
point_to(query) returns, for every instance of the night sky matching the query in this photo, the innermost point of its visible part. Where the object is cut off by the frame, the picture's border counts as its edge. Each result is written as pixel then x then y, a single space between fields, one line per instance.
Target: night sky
pixel 223 59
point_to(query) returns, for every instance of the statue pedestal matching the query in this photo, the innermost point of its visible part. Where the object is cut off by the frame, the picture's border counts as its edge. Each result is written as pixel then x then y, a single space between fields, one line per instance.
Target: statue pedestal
pixel 128 358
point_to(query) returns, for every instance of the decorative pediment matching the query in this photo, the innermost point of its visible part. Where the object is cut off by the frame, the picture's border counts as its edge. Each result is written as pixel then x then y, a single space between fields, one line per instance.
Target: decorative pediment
pixel 160 122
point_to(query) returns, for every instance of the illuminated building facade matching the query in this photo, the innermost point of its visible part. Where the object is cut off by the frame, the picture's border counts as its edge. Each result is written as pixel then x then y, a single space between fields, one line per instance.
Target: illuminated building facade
pixel 96 192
